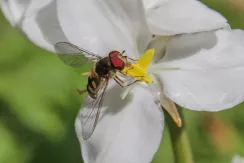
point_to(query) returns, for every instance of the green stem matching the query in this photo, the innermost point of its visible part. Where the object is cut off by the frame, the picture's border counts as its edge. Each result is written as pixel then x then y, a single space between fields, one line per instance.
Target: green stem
pixel 179 139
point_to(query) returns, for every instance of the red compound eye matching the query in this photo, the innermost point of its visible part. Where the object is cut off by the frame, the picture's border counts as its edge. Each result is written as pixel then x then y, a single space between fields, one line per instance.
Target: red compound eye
pixel 116 62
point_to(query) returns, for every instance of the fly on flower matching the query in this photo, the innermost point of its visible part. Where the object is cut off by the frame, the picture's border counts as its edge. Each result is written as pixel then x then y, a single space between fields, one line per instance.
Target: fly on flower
pixel 113 66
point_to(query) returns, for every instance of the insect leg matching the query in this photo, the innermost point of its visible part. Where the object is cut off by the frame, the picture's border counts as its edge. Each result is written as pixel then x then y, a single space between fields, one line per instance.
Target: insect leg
pixel 128 80
pixel 128 70
pixel 122 73
pixel 81 91
pixel 119 81
pixel 86 74
pixel 122 83
pixel 131 83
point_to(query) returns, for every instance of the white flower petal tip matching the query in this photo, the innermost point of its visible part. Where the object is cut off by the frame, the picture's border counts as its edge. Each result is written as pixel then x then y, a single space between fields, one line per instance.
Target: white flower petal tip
pixel 171 17
pixel 129 130
pixel 166 103
pixel 35 19
pixel 211 75
pixel 170 107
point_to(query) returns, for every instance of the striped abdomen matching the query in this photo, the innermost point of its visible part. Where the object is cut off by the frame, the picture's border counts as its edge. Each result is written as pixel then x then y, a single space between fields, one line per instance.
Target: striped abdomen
pixel 93 85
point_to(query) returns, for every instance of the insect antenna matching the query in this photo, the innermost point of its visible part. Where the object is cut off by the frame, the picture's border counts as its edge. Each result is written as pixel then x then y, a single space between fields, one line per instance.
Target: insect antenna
pixel 123 52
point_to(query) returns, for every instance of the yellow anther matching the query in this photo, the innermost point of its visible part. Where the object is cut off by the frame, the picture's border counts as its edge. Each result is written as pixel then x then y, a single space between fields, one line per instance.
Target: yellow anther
pixel 138 70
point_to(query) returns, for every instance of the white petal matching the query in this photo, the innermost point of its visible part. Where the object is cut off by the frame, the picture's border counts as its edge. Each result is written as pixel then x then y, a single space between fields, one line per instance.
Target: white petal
pixel 170 17
pixel 150 4
pixel 37 19
pixel 159 44
pixel 237 159
pixel 14 9
pixel 129 130
pixel 212 67
pixel 102 26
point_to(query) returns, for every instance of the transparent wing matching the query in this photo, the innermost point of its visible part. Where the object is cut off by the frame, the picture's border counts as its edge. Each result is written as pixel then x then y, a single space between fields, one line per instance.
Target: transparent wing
pixel 74 56
pixel 89 115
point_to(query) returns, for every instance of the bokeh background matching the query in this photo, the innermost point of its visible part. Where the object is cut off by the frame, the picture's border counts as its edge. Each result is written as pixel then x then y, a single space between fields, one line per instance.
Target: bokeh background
pixel 38 106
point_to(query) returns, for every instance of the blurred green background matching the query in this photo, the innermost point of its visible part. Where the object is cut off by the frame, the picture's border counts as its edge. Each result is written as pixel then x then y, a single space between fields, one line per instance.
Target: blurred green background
pixel 38 106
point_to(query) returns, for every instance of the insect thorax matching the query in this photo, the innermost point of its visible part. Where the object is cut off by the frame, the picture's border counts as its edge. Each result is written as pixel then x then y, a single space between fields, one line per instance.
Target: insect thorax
pixel 103 67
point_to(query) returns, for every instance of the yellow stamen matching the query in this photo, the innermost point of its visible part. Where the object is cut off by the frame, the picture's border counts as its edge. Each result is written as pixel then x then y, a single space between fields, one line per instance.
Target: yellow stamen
pixel 138 70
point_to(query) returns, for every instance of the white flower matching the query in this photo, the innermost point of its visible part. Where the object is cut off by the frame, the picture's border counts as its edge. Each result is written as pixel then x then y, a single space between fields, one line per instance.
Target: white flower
pixel 237 159
pixel 209 55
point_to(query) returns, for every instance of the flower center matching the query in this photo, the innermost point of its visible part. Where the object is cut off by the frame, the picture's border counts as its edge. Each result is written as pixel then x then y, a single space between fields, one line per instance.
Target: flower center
pixel 138 69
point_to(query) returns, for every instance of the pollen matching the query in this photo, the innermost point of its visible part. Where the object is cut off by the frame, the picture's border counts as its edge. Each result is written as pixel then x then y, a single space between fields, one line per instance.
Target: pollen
pixel 138 69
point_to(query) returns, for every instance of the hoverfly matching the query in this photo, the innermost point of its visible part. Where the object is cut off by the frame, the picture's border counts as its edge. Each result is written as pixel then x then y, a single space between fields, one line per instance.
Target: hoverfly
pixel 104 69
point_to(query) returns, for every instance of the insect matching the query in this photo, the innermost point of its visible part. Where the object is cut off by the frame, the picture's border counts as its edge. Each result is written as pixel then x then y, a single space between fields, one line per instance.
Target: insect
pixel 105 68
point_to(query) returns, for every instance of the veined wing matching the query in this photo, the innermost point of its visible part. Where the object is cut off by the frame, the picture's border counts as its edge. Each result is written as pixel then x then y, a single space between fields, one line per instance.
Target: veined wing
pixel 90 113
pixel 74 56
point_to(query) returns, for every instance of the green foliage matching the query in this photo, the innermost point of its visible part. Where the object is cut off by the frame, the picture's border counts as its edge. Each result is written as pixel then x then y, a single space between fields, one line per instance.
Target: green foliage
pixel 38 103
pixel 38 106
